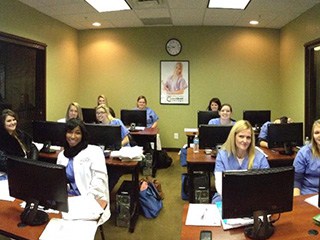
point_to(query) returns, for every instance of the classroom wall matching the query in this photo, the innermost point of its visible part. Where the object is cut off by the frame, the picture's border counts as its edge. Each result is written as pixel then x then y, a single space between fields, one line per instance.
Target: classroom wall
pixel 62 51
pixel 293 36
pixel 250 68
pixel 238 65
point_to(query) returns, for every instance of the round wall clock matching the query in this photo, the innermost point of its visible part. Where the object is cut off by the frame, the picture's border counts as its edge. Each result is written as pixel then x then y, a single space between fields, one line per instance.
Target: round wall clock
pixel 173 47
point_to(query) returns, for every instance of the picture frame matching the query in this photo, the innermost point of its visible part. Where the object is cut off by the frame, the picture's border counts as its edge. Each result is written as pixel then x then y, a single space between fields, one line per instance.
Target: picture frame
pixel 174 82
pixel 2 82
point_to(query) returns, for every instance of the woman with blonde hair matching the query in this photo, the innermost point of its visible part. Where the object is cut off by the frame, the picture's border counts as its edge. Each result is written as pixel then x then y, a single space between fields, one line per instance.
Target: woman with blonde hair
pixel 73 111
pixel 307 164
pixel 102 99
pixel 238 153
pixel 104 117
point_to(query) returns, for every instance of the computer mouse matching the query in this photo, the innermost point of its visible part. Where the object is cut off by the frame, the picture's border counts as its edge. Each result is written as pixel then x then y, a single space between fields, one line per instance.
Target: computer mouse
pixel 313 232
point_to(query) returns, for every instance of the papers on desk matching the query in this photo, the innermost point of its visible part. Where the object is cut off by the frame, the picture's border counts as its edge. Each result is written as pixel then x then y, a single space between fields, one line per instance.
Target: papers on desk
pixel 82 208
pixel 129 153
pixel 313 200
pixel 203 215
pixel 195 130
pixel 232 222
pixel 69 229
pixel 40 146
pixel 4 190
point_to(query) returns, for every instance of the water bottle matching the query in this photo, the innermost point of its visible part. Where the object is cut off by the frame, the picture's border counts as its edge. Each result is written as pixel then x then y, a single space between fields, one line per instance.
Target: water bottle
pixel 196 144
pixel 306 141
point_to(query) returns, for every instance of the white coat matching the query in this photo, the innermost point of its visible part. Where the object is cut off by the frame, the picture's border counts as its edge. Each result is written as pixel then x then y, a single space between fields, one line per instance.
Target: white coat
pixel 91 176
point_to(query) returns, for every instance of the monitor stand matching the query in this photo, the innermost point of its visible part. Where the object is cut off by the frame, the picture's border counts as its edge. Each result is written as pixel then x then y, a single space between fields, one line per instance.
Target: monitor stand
pixel 261 228
pixel 32 216
pixel 287 149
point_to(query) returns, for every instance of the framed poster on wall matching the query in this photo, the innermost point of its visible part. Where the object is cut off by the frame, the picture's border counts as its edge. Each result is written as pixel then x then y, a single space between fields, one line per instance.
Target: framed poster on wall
pixel 174 82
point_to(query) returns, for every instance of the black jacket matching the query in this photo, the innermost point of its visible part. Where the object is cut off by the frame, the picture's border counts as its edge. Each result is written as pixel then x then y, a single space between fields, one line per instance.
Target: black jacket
pixel 9 145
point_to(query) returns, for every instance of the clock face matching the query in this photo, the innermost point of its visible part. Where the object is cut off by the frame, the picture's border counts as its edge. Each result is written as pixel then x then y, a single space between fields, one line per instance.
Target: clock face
pixel 173 47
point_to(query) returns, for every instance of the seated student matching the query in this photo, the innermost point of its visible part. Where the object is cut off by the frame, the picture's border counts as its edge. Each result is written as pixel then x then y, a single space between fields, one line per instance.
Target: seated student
pixel 263 135
pixel 152 117
pixel 85 166
pixel 14 141
pixel 237 153
pixel 104 117
pixel 103 100
pixel 214 104
pixel 225 116
pixel 307 164
pixel 73 111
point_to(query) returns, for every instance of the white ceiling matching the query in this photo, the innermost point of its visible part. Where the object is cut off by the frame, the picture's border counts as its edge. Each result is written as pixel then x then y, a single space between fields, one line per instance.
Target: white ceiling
pixel 80 15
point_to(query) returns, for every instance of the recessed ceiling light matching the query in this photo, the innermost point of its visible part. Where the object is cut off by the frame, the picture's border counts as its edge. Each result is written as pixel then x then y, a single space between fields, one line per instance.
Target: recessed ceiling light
pixel 254 22
pixel 317 48
pixel 232 4
pixel 96 24
pixel 108 6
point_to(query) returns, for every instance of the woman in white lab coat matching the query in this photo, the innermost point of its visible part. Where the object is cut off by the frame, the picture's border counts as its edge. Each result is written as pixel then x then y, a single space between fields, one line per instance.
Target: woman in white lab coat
pixel 85 166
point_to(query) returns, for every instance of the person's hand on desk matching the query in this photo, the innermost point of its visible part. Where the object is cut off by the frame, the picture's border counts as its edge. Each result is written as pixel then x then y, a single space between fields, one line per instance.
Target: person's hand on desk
pixel 296 192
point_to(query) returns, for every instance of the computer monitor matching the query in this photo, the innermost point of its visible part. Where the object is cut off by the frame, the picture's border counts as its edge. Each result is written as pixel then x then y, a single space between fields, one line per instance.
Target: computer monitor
pixel 37 183
pixel 286 136
pixel 108 136
pixel 89 115
pixel 49 133
pixel 205 116
pixel 212 135
pixel 257 117
pixel 138 117
pixel 257 193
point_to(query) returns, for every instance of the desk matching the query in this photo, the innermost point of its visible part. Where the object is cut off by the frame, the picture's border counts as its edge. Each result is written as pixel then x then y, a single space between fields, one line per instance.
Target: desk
pixel 10 217
pixel 205 163
pixel 291 225
pixel 133 167
pixel 146 136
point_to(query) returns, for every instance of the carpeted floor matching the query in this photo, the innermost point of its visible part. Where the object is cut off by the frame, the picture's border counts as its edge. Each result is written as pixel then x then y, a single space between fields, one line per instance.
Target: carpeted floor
pixel 167 225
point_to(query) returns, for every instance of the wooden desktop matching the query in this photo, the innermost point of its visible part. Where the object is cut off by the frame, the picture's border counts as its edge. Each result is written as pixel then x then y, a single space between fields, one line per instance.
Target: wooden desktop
pixel 291 225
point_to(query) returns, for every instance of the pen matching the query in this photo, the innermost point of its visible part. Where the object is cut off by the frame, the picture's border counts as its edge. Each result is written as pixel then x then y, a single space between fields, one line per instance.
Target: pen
pixel 202 217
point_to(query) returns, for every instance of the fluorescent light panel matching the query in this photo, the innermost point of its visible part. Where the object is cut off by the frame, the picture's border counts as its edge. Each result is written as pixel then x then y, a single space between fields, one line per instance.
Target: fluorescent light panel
pixel 231 4
pixel 108 5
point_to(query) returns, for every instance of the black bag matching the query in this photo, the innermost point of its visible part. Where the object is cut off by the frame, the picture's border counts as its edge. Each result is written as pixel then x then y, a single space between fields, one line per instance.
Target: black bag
pixel 164 161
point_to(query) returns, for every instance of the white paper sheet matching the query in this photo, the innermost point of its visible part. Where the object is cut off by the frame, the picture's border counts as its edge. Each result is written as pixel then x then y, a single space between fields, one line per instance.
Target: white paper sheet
pixel 4 191
pixel 313 200
pixel 203 215
pixel 195 130
pixel 69 229
pixel 82 208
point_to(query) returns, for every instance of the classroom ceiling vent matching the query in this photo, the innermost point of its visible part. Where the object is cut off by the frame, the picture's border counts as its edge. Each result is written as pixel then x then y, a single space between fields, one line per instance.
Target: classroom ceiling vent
pixel 156 21
pixel 142 4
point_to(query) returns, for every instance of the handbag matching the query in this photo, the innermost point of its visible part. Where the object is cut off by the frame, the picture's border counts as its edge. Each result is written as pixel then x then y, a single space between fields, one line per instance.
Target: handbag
pixel 150 201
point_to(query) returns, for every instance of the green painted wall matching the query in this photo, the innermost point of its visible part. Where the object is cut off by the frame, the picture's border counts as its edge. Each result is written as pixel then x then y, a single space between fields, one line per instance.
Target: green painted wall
pixel 249 68
pixel 238 65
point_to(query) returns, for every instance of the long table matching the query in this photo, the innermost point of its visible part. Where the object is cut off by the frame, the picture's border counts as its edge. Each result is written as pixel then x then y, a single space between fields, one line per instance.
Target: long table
pixel 205 163
pixel 291 225
pixel 130 166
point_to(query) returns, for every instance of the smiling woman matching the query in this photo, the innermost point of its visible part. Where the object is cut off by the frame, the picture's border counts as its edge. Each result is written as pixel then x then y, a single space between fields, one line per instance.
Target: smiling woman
pixel 237 153
pixel 14 141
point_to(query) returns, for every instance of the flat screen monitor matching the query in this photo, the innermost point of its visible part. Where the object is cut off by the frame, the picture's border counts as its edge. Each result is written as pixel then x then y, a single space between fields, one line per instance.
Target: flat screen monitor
pixel 37 183
pixel 138 117
pixel 212 135
pixel 257 117
pixel 108 136
pixel 205 116
pixel 89 115
pixel 257 193
pixel 49 133
pixel 286 136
